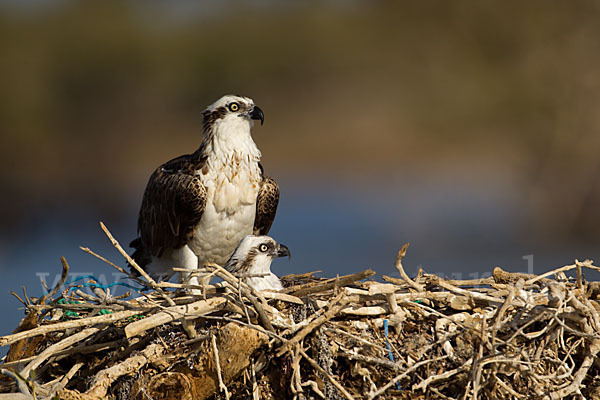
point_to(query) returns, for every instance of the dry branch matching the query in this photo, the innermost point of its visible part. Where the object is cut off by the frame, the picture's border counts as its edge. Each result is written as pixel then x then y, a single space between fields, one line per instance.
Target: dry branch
pixel 132 262
pixel 335 383
pixel 400 268
pixel 336 306
pixel 55 348
pixel 170 314
pixel 61 326
pixel 304 290
pixel 105 378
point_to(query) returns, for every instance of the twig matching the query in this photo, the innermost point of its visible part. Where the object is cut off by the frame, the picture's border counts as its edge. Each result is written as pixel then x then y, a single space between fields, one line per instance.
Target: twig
pixel 18 297
pixel 410 370
pixel 336 305
pixel 510 390
pixel 103 379
pixel 400 268
pixel 55 348
pixel 132 262
pixel 15 396
pixel 470 294
pixel 296 381
pixel 500 315
pixel 252 326
pixel 194 310
pixel 195 340
pixel 282 297
pixel 367 311
pixel 61 282
pixel 586 263
pixel 115 266
pixel 441 377
pixel 302 276
pixel 244 308
pixel 304 290
pixel 476 364
pixel 29 302
pixel 61 326
pixel 247 291
pixel 370 360
pixel 315 388
pixel 81 349
pixel 501 276
pixel 22 383
pixel 331 379
pixel 66 378
pixel 255 395
pixel 222 386
pixel 470 282
pixel 591 352
pixel 357 338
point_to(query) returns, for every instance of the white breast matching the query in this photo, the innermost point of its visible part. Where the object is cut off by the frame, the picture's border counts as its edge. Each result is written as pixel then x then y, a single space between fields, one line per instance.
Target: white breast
pixel 269 282
pixel 232 184
pixel 223 225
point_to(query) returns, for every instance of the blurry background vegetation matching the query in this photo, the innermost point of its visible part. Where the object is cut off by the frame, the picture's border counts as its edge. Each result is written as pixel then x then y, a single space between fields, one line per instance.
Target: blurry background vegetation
pixel 470 128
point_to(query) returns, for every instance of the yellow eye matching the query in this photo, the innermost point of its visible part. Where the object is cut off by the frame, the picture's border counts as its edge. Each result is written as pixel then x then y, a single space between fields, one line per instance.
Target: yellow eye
pixel 234 107
pixel 263 247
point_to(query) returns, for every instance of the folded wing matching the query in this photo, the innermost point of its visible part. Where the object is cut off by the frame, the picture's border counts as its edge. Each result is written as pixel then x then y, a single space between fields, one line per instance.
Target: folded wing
pixel 172 206
pixel 266 206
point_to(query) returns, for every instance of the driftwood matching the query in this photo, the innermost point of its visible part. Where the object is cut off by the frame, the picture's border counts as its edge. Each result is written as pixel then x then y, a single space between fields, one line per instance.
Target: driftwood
pixel 508 336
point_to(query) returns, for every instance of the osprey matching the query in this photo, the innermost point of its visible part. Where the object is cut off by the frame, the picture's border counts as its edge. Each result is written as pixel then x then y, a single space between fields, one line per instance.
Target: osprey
pixel 252 262
pixel 197 207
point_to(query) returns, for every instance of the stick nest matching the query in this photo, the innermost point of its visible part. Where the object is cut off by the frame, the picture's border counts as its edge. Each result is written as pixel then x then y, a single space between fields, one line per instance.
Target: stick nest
pixel 504 337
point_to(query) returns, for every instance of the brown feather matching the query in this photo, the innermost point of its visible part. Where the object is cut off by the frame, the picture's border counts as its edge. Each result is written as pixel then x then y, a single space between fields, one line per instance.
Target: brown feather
pixel 172 206
pixel 266 205
pixel 209 117
pixel 244 267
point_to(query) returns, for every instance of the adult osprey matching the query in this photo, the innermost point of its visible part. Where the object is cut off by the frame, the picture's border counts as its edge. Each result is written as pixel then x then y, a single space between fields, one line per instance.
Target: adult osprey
pixel 198 207
pixel 252 262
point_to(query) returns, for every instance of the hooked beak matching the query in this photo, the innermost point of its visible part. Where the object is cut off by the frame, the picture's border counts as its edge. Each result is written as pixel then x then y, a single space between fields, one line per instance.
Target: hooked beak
pixel 257 113
pixel 283 251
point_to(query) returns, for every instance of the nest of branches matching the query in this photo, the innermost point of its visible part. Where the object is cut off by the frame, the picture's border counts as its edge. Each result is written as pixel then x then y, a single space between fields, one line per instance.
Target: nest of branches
pixel 504 337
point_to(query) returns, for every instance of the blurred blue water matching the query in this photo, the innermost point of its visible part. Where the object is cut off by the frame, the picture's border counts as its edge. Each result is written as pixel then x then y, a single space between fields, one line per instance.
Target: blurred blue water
pixel 458 228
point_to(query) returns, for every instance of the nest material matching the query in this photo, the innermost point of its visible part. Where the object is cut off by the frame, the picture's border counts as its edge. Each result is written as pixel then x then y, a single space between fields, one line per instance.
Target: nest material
pixel 504 337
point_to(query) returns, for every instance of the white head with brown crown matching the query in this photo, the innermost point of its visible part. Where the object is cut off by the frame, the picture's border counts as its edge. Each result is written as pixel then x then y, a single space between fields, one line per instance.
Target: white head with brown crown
pixel 252 261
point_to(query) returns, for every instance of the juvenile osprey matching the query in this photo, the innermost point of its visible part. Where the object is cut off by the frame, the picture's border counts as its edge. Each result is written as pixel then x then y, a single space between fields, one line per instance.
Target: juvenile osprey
pixel 199 206
pixel 253 257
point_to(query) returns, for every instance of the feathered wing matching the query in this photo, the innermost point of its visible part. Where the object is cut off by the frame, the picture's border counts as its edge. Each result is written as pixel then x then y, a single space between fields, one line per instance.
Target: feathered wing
pixel 172 206
pixel 266 206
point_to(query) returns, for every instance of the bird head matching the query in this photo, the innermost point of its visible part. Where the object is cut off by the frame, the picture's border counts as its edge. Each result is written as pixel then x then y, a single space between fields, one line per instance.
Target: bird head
pixel 231 109
pixel 255 253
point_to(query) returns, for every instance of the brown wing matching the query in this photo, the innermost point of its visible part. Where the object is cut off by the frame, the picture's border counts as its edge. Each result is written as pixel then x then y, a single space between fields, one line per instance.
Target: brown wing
pixel 266 206
pixel 172 206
